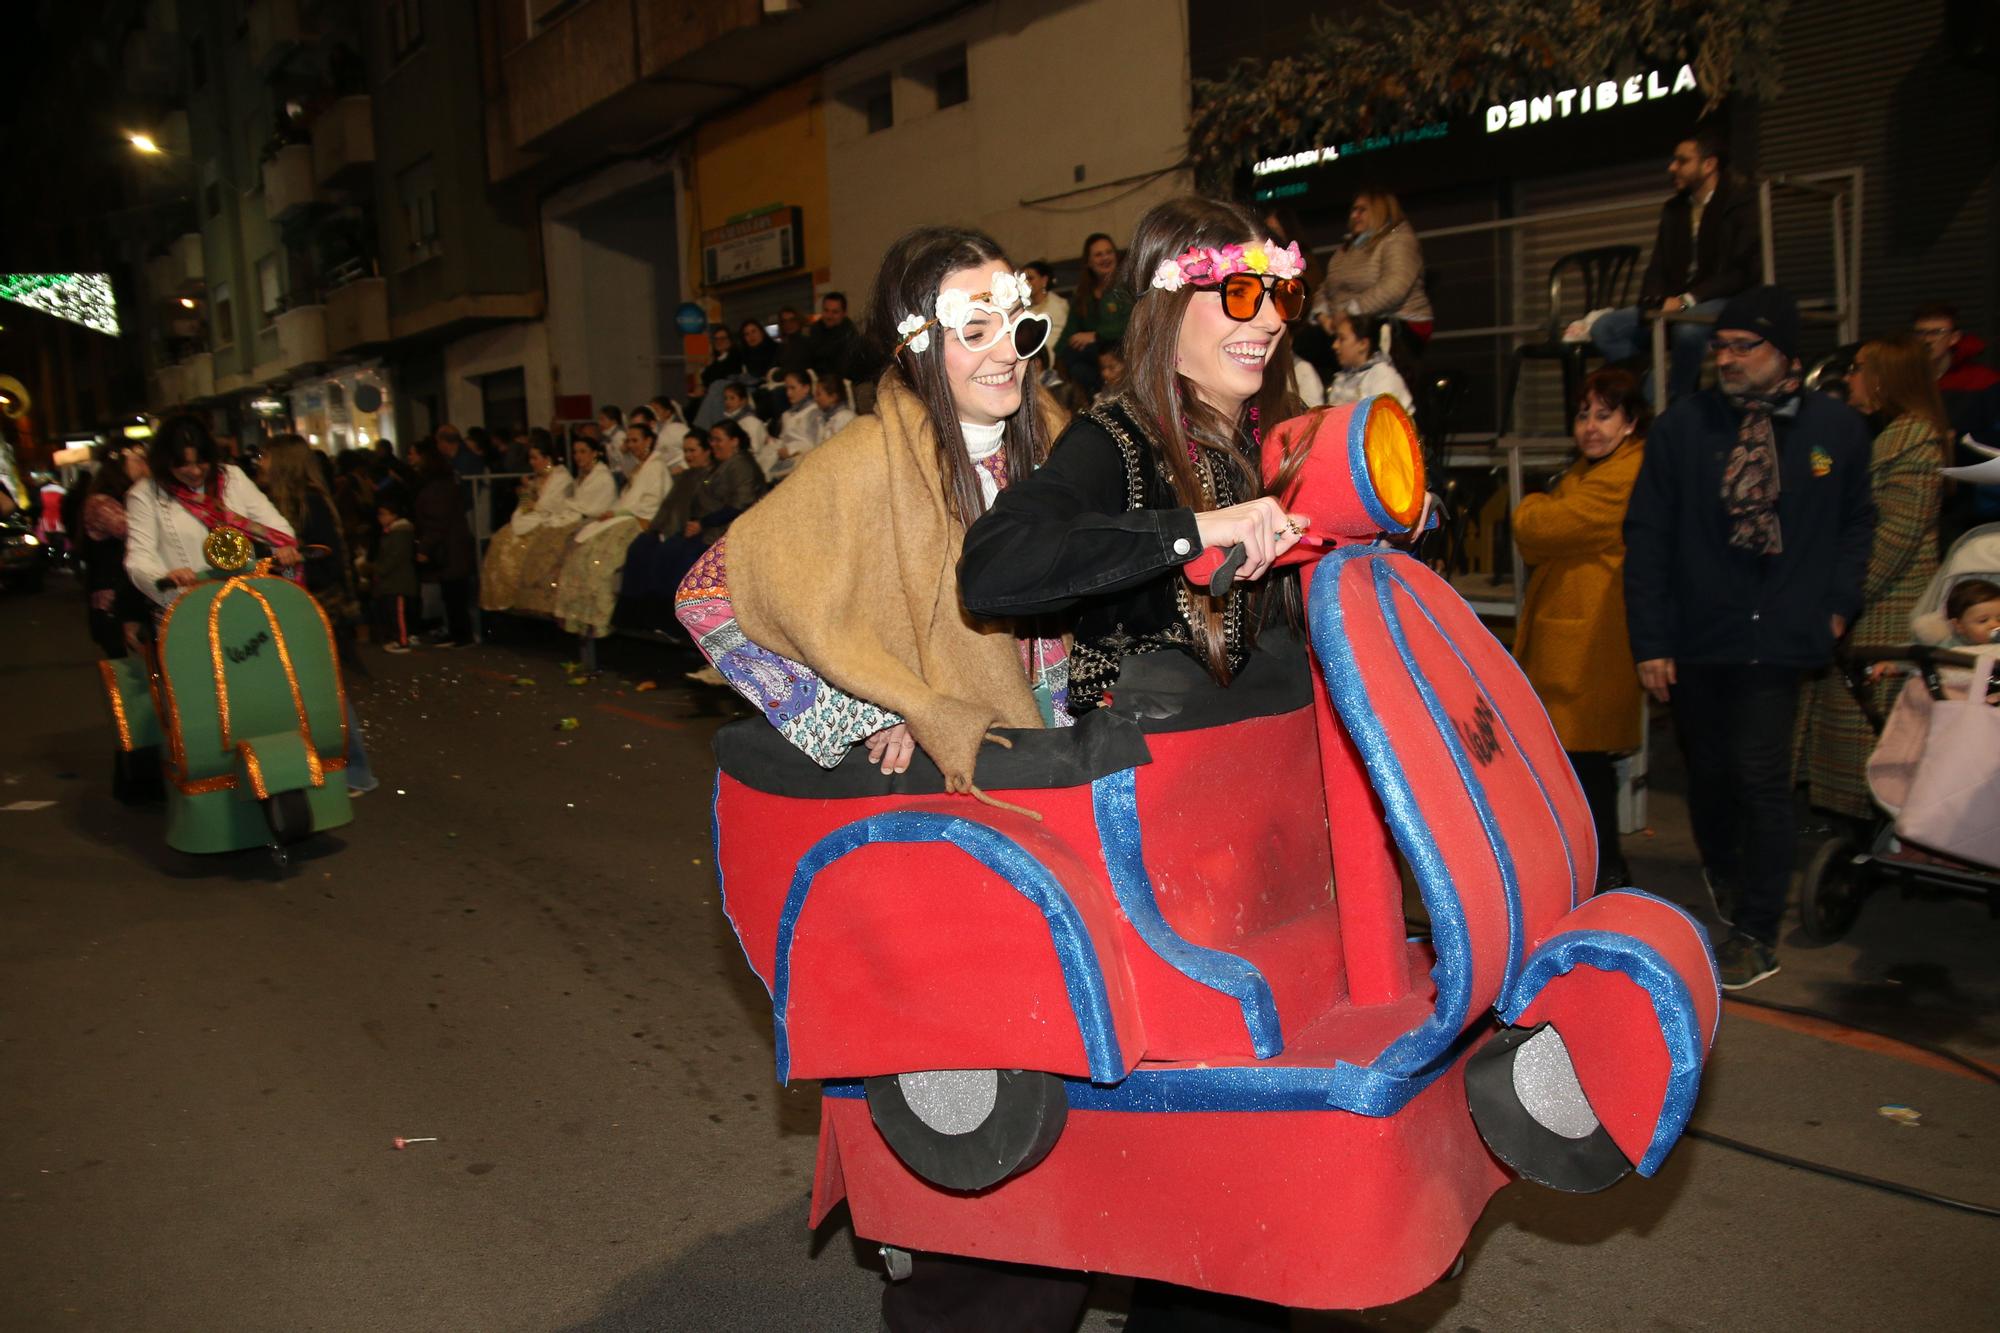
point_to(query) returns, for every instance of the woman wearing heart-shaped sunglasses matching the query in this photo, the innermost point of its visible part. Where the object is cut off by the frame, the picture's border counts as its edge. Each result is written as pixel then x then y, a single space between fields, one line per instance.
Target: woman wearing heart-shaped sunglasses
pixel 844 573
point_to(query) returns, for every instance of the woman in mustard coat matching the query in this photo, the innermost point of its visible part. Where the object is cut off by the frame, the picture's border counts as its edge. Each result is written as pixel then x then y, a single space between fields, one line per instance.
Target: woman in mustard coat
pixel 1571 641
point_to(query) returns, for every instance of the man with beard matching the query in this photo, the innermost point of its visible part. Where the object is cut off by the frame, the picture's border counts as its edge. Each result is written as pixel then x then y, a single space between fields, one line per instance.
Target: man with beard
pixel 1746 541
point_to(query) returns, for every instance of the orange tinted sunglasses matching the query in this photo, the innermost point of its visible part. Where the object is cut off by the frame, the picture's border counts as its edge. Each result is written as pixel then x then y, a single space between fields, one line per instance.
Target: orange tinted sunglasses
pixel 1243 295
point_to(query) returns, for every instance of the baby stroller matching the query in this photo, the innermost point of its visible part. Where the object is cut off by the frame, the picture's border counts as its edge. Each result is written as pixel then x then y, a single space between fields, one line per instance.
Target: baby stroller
pixel 1909 776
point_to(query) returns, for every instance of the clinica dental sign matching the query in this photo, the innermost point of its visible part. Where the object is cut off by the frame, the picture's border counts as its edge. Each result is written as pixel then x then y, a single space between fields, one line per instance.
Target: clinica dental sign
pixel 1648 87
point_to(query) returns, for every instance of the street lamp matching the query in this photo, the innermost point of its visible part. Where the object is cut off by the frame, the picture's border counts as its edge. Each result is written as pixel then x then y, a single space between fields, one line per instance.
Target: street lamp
pixel 144 143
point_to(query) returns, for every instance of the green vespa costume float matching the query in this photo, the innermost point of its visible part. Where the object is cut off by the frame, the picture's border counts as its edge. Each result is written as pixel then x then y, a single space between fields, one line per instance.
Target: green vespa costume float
pixel 243 701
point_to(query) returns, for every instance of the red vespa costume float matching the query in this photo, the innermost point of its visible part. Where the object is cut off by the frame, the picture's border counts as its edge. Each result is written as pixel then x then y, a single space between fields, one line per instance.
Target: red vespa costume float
pixel 1151 1033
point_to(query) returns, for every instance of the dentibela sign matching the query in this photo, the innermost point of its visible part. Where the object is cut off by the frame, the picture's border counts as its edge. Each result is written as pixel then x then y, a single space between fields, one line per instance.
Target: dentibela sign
pixel 1604 96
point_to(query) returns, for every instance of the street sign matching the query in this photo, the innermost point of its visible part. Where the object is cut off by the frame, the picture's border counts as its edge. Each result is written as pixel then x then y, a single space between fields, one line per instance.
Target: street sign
pixel 767 243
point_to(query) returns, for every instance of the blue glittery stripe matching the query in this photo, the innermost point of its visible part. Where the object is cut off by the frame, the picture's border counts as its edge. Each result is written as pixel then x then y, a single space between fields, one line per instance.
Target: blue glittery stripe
pixel 1083 978
pixel 715 835
pixel 1185 1089
pixel 1418 1049
pixel 1673 1006
pixel 1569 857
pixel 1357 467
pixel 1115 804
pixel 1700 933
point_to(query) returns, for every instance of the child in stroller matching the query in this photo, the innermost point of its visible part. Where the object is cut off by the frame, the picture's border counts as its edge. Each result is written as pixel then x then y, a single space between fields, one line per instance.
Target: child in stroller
pixel 1929 836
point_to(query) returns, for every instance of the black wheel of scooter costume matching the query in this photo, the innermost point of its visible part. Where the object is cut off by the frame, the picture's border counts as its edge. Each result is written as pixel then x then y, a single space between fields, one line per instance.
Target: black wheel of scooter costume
pixel 1536 1152
pixel 968 1129
pixel 136 776
pixel 1831 890
pixel 289 816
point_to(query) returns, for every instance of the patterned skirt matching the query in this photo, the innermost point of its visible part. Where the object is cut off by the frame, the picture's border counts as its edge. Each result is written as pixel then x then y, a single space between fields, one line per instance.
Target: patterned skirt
pixel 587 589
pixel 520 569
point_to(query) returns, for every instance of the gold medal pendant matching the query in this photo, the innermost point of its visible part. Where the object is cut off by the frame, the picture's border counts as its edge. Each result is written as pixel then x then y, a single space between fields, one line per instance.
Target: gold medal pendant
pixel 227 549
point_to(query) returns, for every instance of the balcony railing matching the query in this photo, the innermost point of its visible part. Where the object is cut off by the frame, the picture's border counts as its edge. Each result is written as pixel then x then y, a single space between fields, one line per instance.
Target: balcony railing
pixel 186 249
pixel 288 182
pixel 176 271
pixel 343 142
pixel 301 338
pixel 357 315
pixel 167 390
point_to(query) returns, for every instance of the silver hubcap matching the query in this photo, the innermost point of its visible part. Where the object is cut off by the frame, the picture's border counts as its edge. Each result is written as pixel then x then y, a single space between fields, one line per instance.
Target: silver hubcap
pixel 951 1101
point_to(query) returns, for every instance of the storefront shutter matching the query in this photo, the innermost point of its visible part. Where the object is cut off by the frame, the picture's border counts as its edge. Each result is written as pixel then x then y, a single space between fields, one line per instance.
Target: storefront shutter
pixel 1880 87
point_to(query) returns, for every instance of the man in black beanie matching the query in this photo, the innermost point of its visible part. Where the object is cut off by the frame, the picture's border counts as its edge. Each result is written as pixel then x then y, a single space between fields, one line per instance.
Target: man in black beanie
pixel 1746 542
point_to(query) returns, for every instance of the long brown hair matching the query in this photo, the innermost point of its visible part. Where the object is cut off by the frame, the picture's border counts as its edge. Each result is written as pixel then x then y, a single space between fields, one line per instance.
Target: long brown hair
pixel 289 476
pixel 1901 369
pixel 913 270
pixel 1089 292
pixel 1164 402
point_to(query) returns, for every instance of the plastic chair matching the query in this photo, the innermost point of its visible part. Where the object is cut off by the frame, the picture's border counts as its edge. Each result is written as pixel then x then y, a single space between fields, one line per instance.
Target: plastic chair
pixel 1607 273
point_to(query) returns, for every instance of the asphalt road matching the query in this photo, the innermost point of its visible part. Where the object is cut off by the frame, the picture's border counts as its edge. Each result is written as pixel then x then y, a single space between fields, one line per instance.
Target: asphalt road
pixel 517 948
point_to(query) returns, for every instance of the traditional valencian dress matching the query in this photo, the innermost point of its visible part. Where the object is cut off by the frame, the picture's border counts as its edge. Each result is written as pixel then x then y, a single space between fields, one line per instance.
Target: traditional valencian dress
pixel 587 589
pixel 501 574
pixel 654 567
pixel 856 617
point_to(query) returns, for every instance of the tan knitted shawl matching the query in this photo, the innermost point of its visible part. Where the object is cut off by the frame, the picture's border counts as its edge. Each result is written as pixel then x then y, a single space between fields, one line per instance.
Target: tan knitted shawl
pixel 851 567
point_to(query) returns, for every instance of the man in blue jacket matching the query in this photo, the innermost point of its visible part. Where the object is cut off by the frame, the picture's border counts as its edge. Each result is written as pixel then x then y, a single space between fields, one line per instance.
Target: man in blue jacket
pixel 1745 545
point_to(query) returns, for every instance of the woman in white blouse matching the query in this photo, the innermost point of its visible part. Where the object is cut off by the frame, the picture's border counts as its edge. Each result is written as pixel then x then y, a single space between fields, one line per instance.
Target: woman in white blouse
pixel 547 545
pixel 190 493
pixel 834 414
pixel 587 589
pixel 544 502
pixel 796 437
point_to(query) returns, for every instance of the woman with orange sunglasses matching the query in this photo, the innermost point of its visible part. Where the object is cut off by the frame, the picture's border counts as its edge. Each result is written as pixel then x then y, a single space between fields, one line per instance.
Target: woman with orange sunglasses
pixel 1138 485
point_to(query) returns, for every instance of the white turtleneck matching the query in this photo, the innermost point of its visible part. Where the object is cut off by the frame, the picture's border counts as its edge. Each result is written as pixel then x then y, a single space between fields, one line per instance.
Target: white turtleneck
pixel 981 443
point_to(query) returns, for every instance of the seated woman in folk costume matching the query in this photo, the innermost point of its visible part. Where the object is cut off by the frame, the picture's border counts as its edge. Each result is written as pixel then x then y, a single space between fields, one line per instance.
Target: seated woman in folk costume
pixel 720 481
pixel 538 527
pixel 832 604
pixel 587 589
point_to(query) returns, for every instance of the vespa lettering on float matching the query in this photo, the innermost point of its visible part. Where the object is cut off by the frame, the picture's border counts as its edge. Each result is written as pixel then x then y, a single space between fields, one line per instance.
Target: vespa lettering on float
pixel 1603 96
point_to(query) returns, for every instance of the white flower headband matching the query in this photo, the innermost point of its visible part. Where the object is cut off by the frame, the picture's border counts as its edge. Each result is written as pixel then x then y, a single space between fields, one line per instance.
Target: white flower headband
pixel 954 308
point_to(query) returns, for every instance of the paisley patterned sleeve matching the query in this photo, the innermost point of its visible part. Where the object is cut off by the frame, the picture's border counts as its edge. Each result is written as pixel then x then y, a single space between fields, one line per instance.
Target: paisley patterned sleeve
pixel 808 712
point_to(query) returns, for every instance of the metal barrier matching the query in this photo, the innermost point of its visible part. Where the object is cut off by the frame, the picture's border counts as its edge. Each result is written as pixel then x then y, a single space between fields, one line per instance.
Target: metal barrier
pixel 1841 188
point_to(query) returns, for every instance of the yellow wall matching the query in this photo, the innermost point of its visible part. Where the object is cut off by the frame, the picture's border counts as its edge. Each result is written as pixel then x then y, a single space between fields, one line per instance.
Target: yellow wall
pixel 771 152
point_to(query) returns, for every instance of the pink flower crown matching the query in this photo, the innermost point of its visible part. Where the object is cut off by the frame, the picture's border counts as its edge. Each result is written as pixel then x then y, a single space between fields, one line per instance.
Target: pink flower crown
pixel 1205 265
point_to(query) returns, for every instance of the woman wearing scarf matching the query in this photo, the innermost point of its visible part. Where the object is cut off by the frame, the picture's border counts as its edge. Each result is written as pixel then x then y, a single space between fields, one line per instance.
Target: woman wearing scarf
pixel 851 633
pixel 191 493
